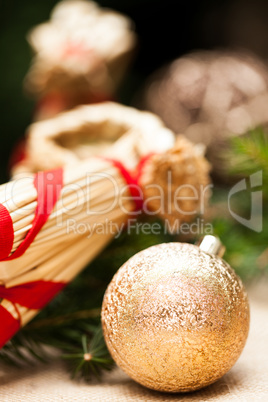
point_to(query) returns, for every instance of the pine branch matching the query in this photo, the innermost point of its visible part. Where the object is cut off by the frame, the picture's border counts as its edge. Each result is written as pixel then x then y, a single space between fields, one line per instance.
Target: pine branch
pixel 249 154
pixel 92 359
pixel 246 250
pixel 63 319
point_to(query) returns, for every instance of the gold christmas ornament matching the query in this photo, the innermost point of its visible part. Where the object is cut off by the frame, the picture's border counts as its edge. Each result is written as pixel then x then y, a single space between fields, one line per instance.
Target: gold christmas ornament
pixel 210 96
pixel 176 317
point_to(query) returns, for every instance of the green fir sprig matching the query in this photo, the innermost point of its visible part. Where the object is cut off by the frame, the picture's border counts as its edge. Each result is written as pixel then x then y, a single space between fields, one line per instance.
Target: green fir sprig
pixel 249 154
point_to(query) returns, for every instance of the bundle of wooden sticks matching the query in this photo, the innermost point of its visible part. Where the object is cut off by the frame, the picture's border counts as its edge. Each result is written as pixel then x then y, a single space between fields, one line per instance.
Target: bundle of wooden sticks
pixel 104 160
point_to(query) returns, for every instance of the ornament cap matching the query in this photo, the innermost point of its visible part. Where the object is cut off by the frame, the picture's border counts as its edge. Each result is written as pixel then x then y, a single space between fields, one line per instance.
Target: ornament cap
pixel 212 245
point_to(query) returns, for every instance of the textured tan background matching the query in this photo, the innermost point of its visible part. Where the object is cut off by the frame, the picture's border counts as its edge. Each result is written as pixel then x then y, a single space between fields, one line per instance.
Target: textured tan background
pixel 247 381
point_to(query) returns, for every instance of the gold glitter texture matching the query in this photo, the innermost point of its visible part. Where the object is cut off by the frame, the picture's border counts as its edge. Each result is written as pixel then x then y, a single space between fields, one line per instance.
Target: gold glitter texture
pixel 175 318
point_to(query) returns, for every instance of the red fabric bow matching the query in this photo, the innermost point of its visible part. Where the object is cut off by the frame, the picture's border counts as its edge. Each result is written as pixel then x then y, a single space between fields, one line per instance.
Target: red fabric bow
pixel 33 295
pixel 132 178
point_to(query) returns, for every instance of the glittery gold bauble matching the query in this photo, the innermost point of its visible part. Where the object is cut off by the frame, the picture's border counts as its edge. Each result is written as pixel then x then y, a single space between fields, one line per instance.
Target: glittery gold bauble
pixel 175 318
pixel 210 96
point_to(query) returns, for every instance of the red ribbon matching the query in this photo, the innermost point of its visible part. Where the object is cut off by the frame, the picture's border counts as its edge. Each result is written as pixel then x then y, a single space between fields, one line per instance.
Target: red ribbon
pixel 6 233
pixel 132 178
pixel 33 295
pixel 48 186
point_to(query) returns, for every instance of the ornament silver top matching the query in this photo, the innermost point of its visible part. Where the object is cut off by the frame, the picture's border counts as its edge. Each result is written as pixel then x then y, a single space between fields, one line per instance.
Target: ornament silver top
pixel 212 245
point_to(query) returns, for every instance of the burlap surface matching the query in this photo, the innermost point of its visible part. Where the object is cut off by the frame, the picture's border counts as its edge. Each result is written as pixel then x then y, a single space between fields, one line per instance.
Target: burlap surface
pixel 247 381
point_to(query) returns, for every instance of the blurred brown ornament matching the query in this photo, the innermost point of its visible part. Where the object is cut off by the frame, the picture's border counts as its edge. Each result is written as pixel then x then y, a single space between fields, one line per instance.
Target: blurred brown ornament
pixel 81 55
pixel 176 317
pixel 184 164
pixel 210 96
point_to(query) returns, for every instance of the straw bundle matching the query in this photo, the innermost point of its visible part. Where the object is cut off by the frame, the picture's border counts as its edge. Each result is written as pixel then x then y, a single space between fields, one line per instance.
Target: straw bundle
pixel 109 154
